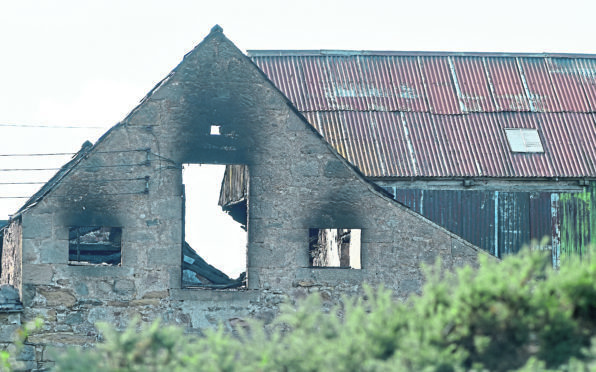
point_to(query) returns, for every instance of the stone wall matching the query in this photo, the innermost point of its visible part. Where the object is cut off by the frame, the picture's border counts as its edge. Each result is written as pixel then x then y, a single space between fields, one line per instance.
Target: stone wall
pixel 297 182
pixel 11 265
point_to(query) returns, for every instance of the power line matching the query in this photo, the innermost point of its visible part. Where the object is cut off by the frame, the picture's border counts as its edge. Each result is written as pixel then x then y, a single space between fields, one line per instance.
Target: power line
pixel 51 126
pixel 73 153
pixel 66 196
pixel 88 167
pixel 72 182
pixel 48 154
pixel 22 183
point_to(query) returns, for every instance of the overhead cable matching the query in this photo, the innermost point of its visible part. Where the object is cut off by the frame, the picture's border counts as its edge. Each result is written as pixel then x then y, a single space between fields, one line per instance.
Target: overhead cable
pixel 73 153
pixel 72 182
pixel 66 196
pixel 87 167
pixel 51 126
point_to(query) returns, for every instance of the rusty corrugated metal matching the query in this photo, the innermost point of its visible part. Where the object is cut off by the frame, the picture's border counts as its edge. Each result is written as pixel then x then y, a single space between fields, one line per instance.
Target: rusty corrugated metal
pixel 535 74
pixel 486 136
pixel 460 151
pixel 408 83
pixel 566 79
pixel 507 85
pixel 428 148
pixel 569 142
pixel 474 89
pixel 439 84
pixel 587 71
pixel 445 115
pixel 410 144
pixel 373 141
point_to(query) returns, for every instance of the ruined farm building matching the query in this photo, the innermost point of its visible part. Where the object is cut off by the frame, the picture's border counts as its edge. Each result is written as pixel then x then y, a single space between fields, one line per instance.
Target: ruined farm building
pixel 343 167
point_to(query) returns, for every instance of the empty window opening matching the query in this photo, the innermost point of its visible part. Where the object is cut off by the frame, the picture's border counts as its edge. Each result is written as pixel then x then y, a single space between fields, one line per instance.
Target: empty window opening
pixel 95 245
pixel 215 130
pixel 524 140
pixel 334 248
pixel 214 251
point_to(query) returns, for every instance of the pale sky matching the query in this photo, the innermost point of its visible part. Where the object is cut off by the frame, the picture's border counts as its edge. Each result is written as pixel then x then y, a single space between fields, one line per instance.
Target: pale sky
pixel 88 63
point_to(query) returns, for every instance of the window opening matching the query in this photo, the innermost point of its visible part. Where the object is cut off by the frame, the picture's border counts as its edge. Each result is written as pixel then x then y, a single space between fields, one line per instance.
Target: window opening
pixel 335 248
pixel 215 130
pixel 524 140
pixel 214 250
pixel 95 245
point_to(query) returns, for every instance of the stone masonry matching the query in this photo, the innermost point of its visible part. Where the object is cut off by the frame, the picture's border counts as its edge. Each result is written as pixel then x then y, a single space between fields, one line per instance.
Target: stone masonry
pixel 131 178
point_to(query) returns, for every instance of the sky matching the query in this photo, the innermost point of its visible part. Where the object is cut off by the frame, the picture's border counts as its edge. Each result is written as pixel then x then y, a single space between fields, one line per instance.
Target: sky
pixel 71 69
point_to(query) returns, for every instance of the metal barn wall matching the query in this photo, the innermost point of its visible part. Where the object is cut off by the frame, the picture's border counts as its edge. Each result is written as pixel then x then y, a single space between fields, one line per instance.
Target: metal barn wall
pixel 577 222
pixel 503 222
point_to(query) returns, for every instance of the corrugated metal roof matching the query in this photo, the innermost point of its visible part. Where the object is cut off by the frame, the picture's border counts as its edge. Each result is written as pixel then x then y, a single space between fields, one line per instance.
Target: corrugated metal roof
pixel 404 114
pixel 417 144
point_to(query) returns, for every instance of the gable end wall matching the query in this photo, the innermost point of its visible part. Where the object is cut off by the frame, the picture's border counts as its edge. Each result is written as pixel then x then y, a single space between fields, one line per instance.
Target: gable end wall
pixel 297 182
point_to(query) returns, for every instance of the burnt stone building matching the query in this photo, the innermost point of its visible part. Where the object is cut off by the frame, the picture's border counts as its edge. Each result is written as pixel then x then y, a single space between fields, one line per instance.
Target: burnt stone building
pixel 103 240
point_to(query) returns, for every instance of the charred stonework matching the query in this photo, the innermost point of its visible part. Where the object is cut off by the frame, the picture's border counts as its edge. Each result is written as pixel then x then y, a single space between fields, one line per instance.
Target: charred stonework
pixel 12 254
pixel 132 179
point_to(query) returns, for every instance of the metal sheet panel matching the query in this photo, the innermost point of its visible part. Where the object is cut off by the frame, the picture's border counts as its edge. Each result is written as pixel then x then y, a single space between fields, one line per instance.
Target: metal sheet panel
pixel 468 213
pixel 540 217
pixel 428 146
pixel 285 74
pixel 569 143
pixel 509 92
pixel 376 80
pixel 587 71
pixel 576 215
pixel 346 84
pixel 474 89
pixel 317 87
pixel 408 83
pixel 514 222
pixel 542 95
pixel 460 151
pixel 375 142
pixel 567 81
pixel 486 135
pixel 439 85
pixel 411 198
pixel 383 126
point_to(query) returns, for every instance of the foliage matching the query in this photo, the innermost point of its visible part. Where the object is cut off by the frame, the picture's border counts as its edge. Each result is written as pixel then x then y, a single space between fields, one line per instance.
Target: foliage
pixel 8 361
pixel 518 314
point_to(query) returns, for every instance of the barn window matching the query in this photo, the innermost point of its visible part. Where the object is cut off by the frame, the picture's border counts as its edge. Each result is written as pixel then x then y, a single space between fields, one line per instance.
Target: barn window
pixel 95 245
pixel 334 248
pixel 524 140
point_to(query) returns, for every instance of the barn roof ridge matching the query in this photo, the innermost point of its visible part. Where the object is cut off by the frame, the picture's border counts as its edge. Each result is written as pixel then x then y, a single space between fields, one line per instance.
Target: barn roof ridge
pixel 398 53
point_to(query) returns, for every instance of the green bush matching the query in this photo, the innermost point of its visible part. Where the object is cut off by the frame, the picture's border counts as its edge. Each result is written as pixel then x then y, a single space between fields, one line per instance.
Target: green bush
pixel 518 314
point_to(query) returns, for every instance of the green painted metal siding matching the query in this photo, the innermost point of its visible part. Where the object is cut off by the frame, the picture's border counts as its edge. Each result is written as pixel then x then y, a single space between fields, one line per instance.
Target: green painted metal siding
pixel 578 221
